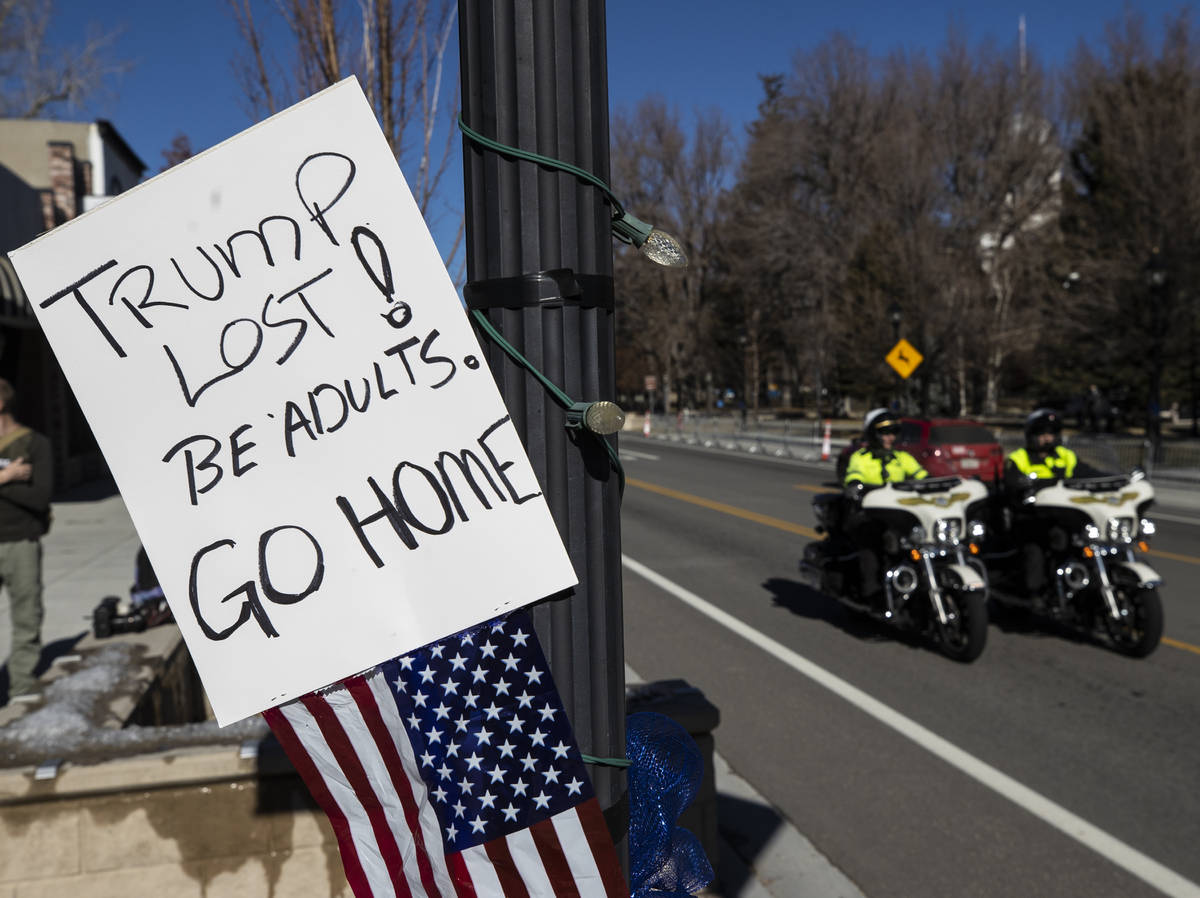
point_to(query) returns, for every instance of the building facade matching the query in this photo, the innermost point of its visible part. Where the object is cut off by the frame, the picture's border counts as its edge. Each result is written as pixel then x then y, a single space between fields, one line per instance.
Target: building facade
pixel 51 172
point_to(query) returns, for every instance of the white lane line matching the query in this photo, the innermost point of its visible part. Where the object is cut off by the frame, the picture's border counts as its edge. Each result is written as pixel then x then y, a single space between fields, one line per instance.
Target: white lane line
pixel 1176 518
pixel 644 456
pixel 1145 868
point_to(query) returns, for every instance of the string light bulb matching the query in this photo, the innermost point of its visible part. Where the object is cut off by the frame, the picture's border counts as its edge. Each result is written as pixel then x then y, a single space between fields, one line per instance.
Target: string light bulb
pixel 656 245
pixel 602 417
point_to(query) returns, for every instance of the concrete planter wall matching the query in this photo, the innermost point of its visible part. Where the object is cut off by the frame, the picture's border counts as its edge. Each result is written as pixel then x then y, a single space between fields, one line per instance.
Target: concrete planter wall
pixel 190 822
pixel 134 807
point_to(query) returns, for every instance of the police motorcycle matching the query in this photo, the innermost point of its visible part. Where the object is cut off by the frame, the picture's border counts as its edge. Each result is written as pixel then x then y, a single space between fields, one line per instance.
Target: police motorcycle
pixel 1087 532
pixel 933 582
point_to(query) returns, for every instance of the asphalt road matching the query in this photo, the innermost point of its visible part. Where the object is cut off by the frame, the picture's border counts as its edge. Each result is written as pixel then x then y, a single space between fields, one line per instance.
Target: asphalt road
pixel 967 787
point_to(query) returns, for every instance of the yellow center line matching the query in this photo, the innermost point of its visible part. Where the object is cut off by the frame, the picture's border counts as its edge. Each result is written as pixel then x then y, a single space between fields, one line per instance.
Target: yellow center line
pixel 1186 559
pixel 1186 646
pixel 790 527
pixel 744 514
pixel 812 489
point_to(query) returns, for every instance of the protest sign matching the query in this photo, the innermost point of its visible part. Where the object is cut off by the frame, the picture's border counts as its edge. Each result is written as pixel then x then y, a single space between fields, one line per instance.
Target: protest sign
pixel 282 378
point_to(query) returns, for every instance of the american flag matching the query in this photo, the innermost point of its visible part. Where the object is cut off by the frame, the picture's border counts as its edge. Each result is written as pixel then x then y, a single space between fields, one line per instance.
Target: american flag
pixel 452 771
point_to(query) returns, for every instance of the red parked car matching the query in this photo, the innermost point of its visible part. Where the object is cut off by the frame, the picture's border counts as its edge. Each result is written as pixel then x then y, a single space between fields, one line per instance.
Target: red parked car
pixel 943 446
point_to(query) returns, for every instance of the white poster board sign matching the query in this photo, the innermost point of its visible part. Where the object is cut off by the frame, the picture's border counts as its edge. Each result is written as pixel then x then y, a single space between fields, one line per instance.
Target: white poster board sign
pixel 297 413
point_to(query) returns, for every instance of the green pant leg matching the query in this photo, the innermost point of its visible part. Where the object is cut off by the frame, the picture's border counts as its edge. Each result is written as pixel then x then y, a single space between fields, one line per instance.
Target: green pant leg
pixel 21 569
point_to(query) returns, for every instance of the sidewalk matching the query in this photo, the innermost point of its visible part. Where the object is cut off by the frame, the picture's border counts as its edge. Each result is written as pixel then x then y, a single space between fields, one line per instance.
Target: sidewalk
pixel 760 853
pixel 88 554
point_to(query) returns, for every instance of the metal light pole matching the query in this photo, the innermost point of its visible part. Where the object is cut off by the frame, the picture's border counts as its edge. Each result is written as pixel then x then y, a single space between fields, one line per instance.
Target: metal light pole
pixel 1195 429
pixel 895 314
pixel 539 264
pixel 1155 273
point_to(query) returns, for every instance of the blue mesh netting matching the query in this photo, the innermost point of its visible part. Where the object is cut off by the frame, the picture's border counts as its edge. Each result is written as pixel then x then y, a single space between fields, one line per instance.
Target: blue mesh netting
pixel 665 774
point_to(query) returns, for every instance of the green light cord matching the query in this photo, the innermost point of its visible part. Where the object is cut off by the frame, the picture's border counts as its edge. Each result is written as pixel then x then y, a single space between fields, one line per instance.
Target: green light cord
pixel 552 388
pixel 606 762
pixel 548 161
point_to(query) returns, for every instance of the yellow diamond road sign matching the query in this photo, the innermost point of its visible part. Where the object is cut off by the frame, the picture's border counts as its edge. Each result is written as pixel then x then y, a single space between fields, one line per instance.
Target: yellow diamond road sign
pixel 904 358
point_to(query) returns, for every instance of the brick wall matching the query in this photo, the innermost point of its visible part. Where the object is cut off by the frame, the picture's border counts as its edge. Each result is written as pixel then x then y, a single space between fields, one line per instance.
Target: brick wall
pixel 64 201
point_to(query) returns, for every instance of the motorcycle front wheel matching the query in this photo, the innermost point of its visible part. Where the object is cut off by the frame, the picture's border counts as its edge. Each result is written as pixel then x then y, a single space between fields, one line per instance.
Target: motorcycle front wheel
pixel 1138 631
pixel 964 634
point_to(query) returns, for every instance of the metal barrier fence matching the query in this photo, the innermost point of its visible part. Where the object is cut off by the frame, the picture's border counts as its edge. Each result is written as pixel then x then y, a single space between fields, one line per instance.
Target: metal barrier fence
pixel 803 440
pixel 800 440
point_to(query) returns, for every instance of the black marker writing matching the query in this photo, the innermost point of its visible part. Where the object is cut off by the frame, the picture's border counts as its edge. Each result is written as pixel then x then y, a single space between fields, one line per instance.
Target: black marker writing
pixel 302 325
pixel 144 303
pixel 317 174
pixel 232 368
pixel 212 469
pixel 410 479
pixel 74 290
pixel 250 591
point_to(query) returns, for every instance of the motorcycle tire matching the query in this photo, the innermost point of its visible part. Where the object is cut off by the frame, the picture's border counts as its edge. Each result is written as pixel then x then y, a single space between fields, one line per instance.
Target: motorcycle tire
pixel 1139 634
pixel 963 637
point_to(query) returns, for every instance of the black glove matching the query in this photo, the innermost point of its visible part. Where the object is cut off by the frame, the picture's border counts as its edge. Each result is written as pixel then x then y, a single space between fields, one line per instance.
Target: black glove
pixel 854 490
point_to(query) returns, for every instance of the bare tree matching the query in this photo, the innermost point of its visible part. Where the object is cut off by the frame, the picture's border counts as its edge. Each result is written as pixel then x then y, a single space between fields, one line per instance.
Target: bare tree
pixel 38 77
pixel 799 212
pixel 397 48
pixel 674 181
pixel 179 151
pixel 1133 219
pixel 1002 178
pixel 870 183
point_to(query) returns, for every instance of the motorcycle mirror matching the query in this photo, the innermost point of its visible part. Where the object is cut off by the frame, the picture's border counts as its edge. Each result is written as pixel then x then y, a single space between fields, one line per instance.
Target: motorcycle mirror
pixel 1137 473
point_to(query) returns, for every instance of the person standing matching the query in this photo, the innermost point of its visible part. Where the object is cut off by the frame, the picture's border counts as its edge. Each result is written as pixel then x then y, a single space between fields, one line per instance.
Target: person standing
pixel 26 484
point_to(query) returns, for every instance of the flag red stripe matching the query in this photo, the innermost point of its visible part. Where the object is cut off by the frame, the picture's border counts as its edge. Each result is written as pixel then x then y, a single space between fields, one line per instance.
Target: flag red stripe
pixel 463 884
pixel 510 877
pixel 365 699
pixel 550 850
pixel 282 728
pixel 600 841
pixel 347 759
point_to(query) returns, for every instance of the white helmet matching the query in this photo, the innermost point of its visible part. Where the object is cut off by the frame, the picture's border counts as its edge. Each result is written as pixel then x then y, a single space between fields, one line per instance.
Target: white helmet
pixel 874 421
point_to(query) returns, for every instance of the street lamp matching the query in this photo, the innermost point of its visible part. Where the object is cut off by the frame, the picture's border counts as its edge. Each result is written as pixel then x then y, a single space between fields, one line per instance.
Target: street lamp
pixel 894 315
pixel 1155 275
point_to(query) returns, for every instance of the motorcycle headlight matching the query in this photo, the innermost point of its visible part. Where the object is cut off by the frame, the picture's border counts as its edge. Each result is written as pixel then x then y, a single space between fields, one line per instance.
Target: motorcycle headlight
pixel 1120 530
pixel 948 530
pixel 977 530
pixel 1092 532
pixel 1146 527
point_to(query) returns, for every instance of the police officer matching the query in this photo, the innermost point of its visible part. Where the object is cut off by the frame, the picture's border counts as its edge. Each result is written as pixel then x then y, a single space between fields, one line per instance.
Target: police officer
pixel 1042 460
pixel 1042 457
pixel 877 462
pixel 873 465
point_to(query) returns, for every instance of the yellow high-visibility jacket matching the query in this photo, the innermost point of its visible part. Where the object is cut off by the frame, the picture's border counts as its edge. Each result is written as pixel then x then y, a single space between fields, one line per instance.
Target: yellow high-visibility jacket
pixel 1059 463
pixel 867 467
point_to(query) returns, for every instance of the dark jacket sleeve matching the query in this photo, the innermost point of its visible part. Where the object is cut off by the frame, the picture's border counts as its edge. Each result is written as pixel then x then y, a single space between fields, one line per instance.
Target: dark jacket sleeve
pixel 1016 484
pixel 34 494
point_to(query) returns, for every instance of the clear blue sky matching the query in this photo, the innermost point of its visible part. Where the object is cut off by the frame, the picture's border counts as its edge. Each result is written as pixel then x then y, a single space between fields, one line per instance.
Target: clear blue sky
pixel 695 53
